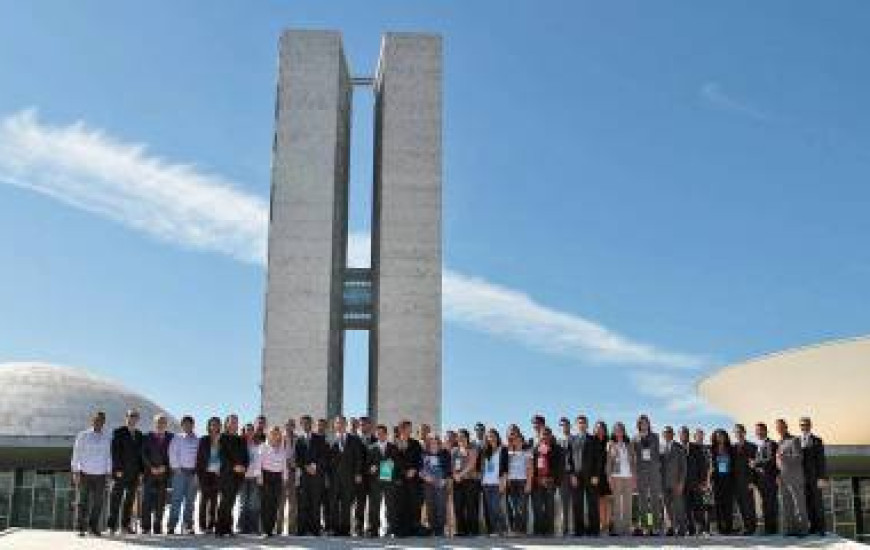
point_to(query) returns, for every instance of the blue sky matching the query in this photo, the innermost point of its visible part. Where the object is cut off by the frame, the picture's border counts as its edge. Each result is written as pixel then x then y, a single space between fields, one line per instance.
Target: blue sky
pixel 635 193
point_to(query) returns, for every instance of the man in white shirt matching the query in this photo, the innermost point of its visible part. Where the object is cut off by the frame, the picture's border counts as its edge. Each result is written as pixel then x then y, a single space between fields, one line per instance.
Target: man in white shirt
pixel 182 461
pixel 91 464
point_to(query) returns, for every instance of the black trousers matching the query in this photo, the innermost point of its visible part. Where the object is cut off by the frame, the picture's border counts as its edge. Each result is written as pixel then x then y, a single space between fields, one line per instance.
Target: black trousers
pixel 341 494
pixel 723 496
pixel 696 514
pixel 585 501
pixel 815 507
pixel 360 498
pixel 379 491
pixel 309 503
pixel 208 501
pixel 769 492
pixel 228 487
pixel 91 493
pixel 746 505
pixel 122 497
pixel 270 495
pixel 543 510
pixel 465 498
pixel 407 508
pixel 153 502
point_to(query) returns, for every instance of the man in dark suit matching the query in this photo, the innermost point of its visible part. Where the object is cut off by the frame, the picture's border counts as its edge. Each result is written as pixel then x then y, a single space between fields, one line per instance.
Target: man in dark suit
pixel 347 463
pixel 155 459
pixel 584 465
pixel 697 474
pixel 766 473
pixel 674 482
pixel 743 455
pixel 381 461
pixel 233 452
pixel 815 476
pixel 311 461
pixel 363 490
pixel 409 460
pixel 126 470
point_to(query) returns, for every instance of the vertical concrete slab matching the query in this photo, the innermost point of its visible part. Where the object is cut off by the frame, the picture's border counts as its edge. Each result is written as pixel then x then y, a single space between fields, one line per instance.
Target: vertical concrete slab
pixel 302 355
pixel 406 242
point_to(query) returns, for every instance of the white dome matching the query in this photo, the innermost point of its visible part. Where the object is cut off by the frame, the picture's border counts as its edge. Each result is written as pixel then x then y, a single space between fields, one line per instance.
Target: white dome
pixel 39 399
pixel 828 382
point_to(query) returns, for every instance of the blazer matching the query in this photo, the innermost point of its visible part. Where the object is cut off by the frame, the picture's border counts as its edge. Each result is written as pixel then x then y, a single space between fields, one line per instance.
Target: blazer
pixel 203 453
pixel 742 456
pixel 765 461
pixel 408 458
pixel 127 451
pixel 313 450
pixel 651 442
pixel 697 465
pixel 585 457
pixel 155 452
pixel 233 451
pixel 374 457
pixel 555 462
pixel 349 461
pixel 815 467
pixel 613 458
pixel 673 465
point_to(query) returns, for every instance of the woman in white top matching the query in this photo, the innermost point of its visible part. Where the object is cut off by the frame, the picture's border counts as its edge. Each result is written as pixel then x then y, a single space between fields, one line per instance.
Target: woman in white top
pixel 519 484
pixel 621 471
pixel 493 459
pixel 271 471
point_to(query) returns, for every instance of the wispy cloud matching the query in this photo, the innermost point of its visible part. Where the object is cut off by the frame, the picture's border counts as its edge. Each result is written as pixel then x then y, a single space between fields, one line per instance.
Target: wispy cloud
pixel 87 169
pixel 489 307
pixel 675 390
pixel 178 203
pixel 715 95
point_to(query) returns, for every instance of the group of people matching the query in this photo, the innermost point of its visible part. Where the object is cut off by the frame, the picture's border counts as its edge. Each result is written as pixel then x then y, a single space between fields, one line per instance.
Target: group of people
pixel 341 478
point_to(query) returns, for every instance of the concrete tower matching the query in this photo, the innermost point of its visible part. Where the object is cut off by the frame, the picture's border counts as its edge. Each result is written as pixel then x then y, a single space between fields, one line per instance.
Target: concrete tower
pixel 312 296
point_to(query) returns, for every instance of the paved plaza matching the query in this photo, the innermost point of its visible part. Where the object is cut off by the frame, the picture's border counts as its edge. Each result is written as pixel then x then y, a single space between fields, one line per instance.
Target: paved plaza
pixel 63 540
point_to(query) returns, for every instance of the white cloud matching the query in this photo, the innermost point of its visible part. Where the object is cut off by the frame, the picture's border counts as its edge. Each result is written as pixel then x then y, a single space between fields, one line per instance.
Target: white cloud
pixel 174 202
pixel 90 170
pixel 714 94
pixel 676 390
pixel 489 307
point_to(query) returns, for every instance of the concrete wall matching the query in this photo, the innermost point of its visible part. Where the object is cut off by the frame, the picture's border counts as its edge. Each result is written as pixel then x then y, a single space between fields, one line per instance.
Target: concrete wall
pixel 406 246
pixel 302 354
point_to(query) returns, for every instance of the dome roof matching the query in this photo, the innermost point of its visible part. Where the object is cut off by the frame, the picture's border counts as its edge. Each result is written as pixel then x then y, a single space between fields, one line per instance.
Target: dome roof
pixel 39 399
pixel 827 382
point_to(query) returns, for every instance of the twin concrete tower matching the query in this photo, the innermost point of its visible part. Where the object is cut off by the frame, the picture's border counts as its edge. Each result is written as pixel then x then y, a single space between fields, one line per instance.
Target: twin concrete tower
pixel 312 295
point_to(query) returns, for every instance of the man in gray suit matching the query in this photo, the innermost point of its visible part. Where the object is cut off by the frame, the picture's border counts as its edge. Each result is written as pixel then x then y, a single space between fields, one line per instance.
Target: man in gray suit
pixel 647 448
pixel 790 459
pixel 674 482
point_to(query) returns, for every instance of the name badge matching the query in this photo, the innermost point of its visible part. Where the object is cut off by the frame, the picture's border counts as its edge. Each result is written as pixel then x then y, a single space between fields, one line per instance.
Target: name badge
pixel 385 472
pixel 490 466
pixel 646 454
pixel 722 465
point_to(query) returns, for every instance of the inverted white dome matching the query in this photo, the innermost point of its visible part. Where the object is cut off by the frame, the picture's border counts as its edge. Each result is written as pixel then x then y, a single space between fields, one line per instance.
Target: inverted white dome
pixel 829 382
pixel 39 399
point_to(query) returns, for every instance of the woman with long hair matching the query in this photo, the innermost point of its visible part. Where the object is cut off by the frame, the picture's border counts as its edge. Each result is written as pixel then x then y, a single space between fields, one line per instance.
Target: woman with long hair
pixel 722 479
pixel 621 470
pixel 601 438
pixel 493 462
pixel 465 478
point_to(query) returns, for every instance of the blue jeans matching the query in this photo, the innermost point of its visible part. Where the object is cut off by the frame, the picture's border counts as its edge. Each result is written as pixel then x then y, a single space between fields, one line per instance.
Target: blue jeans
pixel 183 492
pixel 492 504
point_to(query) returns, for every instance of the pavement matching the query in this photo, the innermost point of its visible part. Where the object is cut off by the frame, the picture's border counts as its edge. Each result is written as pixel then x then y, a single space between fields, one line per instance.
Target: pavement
pixel 27 539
